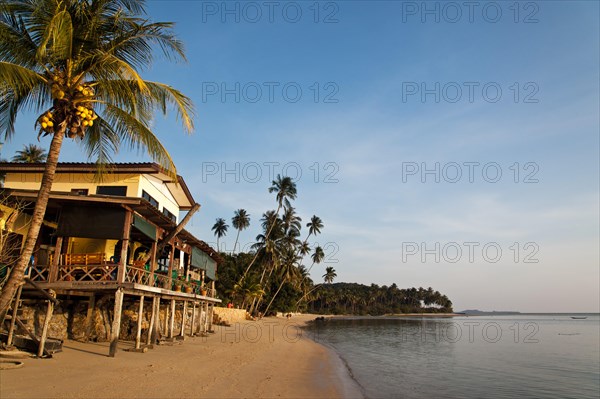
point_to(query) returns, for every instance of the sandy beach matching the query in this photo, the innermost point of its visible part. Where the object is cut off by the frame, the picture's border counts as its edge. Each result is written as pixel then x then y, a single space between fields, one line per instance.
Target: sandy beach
pixel 264 359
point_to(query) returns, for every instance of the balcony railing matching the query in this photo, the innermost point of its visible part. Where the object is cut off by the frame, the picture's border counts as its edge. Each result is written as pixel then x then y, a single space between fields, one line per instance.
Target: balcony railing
pixel 107 272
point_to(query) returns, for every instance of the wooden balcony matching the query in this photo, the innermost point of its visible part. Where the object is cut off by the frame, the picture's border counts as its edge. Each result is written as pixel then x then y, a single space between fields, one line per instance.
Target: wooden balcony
pixel 86 271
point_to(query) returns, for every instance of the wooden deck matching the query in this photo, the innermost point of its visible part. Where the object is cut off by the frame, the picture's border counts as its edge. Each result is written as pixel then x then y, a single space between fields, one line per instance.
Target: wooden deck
pixel 88 287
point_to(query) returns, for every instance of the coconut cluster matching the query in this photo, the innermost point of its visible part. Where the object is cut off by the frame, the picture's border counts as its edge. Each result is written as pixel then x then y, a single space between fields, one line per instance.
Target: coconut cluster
pixel 74 105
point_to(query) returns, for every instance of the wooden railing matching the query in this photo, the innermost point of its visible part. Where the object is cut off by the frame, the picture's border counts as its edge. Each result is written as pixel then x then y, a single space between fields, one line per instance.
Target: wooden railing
pixel 104 272
pixel 145 277
pixel 37 273
pixel 140 276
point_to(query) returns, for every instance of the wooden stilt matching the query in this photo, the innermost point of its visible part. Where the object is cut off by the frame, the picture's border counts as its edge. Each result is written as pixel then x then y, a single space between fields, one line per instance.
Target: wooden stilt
pixel 200 317
pixel 172 322
pixel 206 318
pixel 193 322
pixel 140 315
pixel 183 318
pixel 156 329
pixel 11 330
pixel 166 322
pixel 152 321
pixel 203 326
pixel 116 325
pixel 49 311
pixel 89 317
pixel 209 315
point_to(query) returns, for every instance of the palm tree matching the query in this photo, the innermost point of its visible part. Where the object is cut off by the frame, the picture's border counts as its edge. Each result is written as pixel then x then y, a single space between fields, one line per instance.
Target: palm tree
pixel 286 191
pixel 220 228
pixel 289 271
pixel 314 227
pixel 31 154
pixel 240 221
pixel 329 275
pixel 78 63
pixel 247 289
pixel 317 257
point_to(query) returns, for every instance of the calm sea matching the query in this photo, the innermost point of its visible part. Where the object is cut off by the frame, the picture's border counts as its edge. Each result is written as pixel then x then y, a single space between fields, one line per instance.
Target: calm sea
pixel 524 356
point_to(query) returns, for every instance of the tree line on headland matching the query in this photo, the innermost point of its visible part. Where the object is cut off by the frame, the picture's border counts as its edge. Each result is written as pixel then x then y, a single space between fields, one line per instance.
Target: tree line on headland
pixel 275 274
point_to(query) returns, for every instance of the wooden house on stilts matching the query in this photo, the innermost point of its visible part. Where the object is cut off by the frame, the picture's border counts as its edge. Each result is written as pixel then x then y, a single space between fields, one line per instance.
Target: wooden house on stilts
pixel 115 239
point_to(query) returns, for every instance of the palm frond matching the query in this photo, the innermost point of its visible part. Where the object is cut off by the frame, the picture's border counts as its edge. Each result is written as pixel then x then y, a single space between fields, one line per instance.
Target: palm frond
pixel 137 135
pixel 19 88
pixel 57 41
pixel 18 79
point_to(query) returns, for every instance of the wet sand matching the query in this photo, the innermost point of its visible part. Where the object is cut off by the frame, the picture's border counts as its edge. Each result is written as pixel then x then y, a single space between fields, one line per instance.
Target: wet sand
pixel 264 359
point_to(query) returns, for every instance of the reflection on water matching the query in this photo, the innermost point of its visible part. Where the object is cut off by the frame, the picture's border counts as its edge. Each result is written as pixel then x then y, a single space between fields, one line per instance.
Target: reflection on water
pixel 544 356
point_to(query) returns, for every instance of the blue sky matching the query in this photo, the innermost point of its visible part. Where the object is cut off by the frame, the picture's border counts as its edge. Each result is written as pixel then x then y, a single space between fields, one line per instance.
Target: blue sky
pixel 387 92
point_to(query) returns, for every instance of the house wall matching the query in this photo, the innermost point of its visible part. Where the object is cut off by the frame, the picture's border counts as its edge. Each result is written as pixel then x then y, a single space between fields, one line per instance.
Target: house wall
pixel 159 192
pixel 79 245
pixel 65 182
pixel 87 245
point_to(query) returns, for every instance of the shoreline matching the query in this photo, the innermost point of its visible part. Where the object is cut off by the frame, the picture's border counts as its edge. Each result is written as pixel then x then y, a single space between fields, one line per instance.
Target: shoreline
pixel 350 386
pixel 267 358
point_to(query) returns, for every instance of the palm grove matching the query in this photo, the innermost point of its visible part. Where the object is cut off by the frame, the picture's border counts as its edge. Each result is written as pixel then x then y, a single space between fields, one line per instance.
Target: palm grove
pixel 273 274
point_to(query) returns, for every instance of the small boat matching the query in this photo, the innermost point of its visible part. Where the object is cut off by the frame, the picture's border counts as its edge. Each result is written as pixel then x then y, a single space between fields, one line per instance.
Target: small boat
pixel 579 317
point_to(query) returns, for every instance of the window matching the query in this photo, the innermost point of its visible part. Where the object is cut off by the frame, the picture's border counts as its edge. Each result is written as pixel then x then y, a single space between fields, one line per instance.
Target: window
pixel 169 215
pixel 120 191
pixel 79 191
pixel 150 199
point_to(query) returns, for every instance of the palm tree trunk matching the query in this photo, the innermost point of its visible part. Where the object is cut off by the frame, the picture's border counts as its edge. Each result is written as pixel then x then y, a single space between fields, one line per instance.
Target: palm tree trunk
pixel 17 273
pixel 274 296
pixel 307 273
pixel 236 240
pixel 307 294
pixel 254 300
pixel 266 238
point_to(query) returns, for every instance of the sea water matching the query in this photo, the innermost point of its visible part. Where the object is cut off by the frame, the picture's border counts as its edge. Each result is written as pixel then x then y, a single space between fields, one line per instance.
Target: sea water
pixel 523 356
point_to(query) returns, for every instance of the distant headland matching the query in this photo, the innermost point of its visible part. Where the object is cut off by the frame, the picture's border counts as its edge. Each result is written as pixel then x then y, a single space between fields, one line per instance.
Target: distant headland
pixel 473 312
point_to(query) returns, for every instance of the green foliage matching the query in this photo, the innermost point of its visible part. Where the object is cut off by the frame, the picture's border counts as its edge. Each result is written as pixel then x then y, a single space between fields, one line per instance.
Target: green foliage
pixel 30 154
pixel 78 63
pixel 229 274
pixel 359 299
pixel 280 282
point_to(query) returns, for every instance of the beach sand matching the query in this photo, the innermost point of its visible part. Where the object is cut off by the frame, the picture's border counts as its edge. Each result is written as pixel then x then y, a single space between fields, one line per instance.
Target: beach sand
pixel 264 359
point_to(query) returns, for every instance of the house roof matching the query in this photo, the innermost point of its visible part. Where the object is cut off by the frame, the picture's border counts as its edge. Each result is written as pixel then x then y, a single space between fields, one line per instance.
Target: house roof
pixel 139 205
pixel 177 187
